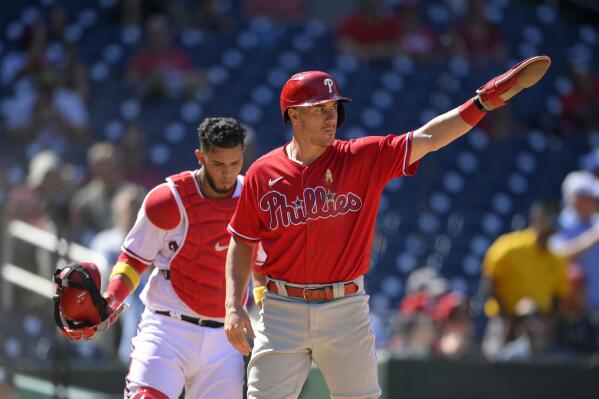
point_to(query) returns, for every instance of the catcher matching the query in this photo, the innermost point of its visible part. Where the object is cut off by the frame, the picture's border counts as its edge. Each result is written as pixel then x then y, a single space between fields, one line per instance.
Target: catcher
pixel 181 230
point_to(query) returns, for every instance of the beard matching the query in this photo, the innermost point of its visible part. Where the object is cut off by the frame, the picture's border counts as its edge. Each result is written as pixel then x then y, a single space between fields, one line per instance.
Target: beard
pixel 213 186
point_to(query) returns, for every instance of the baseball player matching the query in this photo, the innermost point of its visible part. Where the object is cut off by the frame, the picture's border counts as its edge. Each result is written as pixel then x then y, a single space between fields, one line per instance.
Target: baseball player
pixel 312 204
pixel 181 230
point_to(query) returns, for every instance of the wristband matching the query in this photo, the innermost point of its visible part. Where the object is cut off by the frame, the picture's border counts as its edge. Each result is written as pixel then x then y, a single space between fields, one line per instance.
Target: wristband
pixel 128 270
pixel 259 293
pixel 472 111
pixel 118 288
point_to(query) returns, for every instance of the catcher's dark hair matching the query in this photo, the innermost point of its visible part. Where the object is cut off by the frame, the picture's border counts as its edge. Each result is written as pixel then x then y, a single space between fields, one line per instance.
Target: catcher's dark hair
pixel 221 132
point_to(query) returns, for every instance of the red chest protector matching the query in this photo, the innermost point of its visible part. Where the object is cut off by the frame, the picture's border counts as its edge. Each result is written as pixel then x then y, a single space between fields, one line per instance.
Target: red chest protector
pixel 197 272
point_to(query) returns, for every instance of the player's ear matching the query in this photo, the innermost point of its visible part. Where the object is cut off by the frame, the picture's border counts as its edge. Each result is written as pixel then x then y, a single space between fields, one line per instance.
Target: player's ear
pixel 200 156
pixel 292 112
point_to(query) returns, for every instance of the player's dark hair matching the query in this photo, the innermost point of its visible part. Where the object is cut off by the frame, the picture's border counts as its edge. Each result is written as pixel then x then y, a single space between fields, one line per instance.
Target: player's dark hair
pixel 220 132
pixel 544 207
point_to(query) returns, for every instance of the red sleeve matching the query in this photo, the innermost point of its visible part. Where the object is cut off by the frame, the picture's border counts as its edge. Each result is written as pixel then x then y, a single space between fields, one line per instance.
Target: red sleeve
pixel 246 223
pixel 389 156
pixel 161 208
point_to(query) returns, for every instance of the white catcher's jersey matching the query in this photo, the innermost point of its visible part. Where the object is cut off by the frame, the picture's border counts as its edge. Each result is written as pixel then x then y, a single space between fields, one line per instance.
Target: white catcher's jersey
pixel 152 245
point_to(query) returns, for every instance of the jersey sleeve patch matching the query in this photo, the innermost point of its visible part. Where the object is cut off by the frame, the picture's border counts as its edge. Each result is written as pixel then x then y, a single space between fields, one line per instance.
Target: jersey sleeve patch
pixel 161 208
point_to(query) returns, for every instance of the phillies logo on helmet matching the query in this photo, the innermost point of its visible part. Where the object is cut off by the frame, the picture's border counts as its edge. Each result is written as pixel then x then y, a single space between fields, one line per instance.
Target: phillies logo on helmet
pixel 316 203
pixel 329 82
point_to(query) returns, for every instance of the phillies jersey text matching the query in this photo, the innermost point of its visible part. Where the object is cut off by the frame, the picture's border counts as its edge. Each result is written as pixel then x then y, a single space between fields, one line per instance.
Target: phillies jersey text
pixel 316 222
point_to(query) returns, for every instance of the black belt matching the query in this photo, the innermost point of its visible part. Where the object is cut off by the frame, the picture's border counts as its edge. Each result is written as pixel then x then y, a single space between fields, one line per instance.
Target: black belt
pixel 193 320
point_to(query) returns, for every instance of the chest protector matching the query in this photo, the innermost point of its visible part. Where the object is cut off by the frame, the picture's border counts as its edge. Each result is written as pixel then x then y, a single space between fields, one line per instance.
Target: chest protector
pixel 197 272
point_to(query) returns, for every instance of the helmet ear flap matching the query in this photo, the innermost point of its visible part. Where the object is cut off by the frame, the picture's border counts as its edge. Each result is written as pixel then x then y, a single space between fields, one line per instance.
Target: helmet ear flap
pixel 340 113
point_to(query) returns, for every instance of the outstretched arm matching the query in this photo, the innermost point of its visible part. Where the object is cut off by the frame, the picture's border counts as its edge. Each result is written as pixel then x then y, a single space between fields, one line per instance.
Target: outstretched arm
pixel 576 247
pixel 441 131
pixel 447 127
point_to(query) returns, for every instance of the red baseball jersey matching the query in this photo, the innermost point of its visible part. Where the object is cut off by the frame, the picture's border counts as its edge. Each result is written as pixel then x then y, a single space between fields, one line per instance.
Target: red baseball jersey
pixel 316 222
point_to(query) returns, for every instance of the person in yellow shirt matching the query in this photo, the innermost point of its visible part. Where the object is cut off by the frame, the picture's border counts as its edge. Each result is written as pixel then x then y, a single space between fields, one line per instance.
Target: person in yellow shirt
pixel 520 265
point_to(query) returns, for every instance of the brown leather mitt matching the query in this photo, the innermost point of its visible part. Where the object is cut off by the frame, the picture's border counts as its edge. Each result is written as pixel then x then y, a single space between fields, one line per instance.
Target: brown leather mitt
pixel 499 90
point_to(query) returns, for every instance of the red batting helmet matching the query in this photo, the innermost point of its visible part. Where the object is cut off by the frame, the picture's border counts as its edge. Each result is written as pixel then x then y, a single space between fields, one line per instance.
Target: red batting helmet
pixel 78 298
pixel 311 88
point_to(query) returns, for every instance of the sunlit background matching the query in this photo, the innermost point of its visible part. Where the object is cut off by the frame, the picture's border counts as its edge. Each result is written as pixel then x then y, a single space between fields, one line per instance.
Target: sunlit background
pixel 100 101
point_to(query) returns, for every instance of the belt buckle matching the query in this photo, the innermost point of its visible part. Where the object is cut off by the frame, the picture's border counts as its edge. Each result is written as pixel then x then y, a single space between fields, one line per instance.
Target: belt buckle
pixel 304 292
pixel 176 315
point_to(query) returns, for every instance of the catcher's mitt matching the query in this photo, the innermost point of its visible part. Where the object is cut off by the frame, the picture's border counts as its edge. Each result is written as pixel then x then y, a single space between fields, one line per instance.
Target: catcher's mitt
pixel 80 311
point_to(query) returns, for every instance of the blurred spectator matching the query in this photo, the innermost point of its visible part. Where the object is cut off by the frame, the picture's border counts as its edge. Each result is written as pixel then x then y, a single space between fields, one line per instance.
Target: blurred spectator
pixel 59 20
pixel 43 200
pixel 416 302
pixel 276 12
pixel 91 205
pixel 494 335
pixel 211 18
pixel 137 169
pixel 578 236
pixel 580 107
pixel 369 34
pixel 36 43
pixel 529 336
pixel 46 116
pixel 416 40
pixel 136 12
pixel 413 332
pixel 74 72
pixel 590 162
pixel 580 195
pixel 425 280
pixel 159 69
pixel 412 335
pixel 456 328
pixel 574 332
pixel 520 265
pixel 329 12
pixel 125 205
pixel 477 39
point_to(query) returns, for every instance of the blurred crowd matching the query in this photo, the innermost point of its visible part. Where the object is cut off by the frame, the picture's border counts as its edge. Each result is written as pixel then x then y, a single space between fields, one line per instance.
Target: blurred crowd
pixel 539 291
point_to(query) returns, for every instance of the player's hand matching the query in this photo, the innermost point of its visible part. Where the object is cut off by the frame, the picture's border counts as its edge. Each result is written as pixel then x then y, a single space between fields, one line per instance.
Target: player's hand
pixel 237 324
